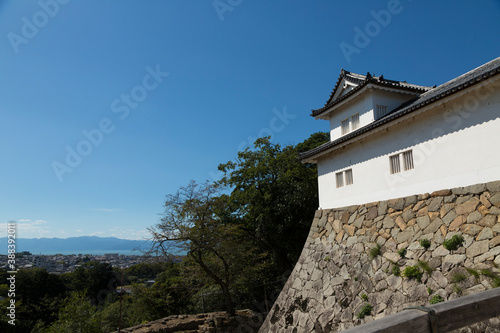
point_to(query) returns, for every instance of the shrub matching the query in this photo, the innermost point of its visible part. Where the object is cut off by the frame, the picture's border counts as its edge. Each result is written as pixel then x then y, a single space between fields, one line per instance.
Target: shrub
pixel 402 252
pixel 366 310
pixel 436 299
pixel 453 243
pixel 375 251
pixel 395 270
pixel 364 297
pixel 425 243
pixel 413 273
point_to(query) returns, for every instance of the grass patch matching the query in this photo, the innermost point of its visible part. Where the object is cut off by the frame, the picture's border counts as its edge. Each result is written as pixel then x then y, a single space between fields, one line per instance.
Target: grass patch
pixel 436 299
pixel 425 243
pixel 458 277
pixel 429 290
pixel 375 251
pixel 364 297
pixel 493 276
pixel 366 310
pixel 453 243
pixel 413 273
pixel 425 266
pixel 473 272
pixel 402 252
pixel 327 259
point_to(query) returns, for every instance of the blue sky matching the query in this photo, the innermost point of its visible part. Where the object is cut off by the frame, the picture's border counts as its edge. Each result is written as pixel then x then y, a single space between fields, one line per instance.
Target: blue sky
pixel 151 94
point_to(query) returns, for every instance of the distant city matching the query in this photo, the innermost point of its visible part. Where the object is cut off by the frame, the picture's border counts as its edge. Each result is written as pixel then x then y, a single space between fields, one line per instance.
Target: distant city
pixel 59 256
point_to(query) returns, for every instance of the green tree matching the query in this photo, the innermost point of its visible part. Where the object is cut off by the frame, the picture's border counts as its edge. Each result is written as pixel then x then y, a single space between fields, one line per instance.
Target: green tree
pixel 78 315
pixel 194 221
pixel 274 196
pixel 96 278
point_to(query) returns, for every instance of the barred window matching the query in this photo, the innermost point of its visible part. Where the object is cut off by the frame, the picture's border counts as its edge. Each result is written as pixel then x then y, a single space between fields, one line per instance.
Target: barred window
pixel 355 121
pixel 348 177
pixel 408 160
pixel 345 126
pixel 380 111
pixel 395 167
pixel 340 179
pixel 395 161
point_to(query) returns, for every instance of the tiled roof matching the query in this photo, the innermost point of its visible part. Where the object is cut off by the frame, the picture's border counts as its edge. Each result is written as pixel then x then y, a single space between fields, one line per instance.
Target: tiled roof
pixel 361 81
pixel 462 82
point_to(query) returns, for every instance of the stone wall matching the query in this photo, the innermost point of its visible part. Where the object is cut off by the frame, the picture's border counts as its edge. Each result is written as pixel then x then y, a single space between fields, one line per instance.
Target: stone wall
pixel 340 270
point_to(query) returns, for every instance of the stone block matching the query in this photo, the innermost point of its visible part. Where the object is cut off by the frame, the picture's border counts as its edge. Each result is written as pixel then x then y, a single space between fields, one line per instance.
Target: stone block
pixel 422 212
pixel 477 248
pixel 423 221
pixel 493 186
pixel 474 216
pixel 495 241
pixel 440 193
pixel 400 223
pixel 457 222
pixel 475 189
pixel 410 200
pixel 449 217
pixel 408 215
pixel 488 221
pixel 372 213
pixel 486 233
pixel 388 222
pixel 445 209
pixel 467 207
pixel 470 229
pixel 435 204
pixel 495 199
pixel 434 226
pixel 382 207
pixel 484 200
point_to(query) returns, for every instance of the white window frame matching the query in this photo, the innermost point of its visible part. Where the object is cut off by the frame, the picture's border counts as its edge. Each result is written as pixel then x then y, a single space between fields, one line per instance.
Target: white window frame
pixel 395 164
pixel 344 178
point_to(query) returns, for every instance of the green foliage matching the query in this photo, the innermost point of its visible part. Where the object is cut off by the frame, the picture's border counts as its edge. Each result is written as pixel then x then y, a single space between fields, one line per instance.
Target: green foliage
pixel 425 266
pixel 77 315
pixel 453 243
pixel 375 251
pixel 274 196
pixel 436 299
pixel 413 273
pixel 195 221
pixel 402 252
pixel 364 297
pixel 458 277
pixel 473 272
pixel 327 259
pixel 425 243
pixel 396 270
pixel 366 310
pixel 429 290
pixel 493 276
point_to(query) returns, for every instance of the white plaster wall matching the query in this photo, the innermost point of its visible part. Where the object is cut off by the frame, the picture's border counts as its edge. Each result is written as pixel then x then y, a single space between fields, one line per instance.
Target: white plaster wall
pixel 454 144
pixel 390 99
pixel 363 106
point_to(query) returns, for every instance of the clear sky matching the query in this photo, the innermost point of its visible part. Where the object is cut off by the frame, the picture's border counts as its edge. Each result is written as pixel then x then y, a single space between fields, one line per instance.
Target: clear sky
pixel 107 106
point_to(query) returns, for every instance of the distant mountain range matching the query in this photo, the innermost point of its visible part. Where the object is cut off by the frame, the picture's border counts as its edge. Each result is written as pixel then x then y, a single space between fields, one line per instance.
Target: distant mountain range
pixel 76 244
